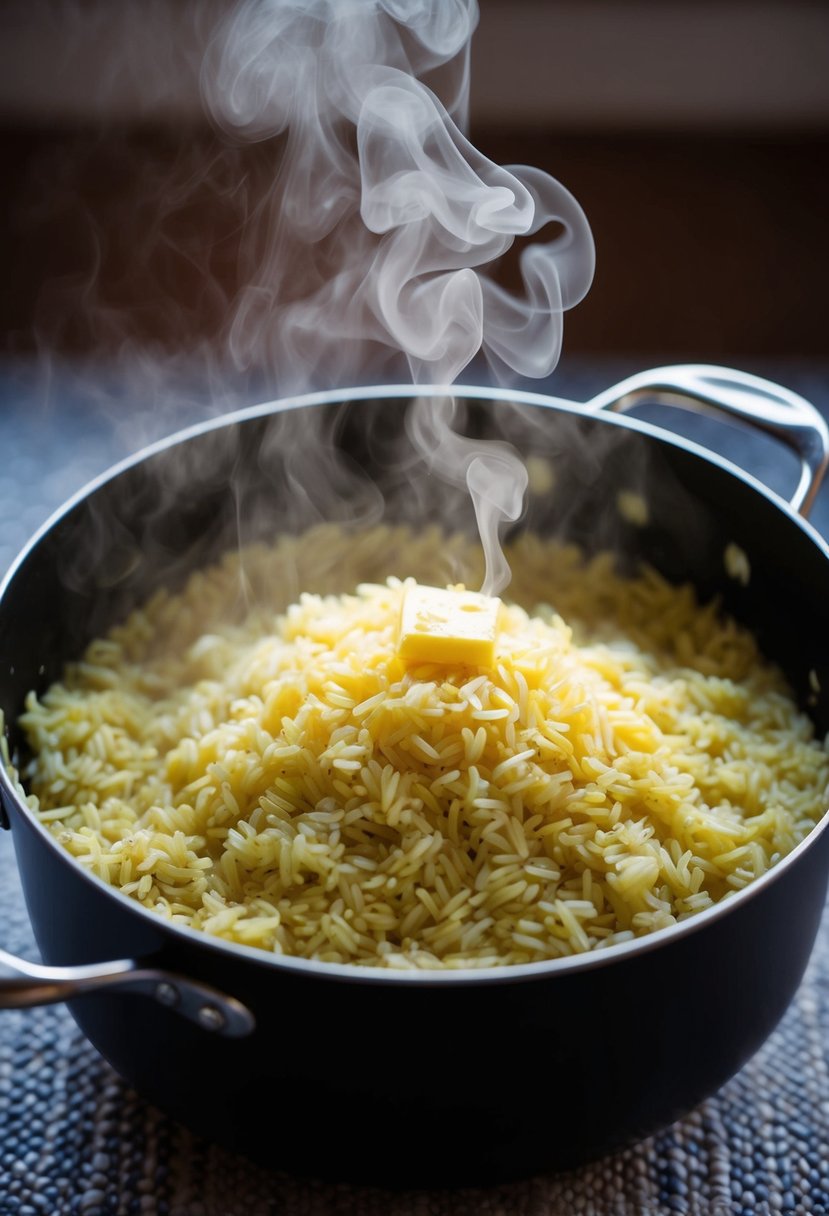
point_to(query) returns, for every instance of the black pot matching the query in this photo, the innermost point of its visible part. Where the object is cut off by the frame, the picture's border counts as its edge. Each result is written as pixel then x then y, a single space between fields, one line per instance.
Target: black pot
pixel 428 1077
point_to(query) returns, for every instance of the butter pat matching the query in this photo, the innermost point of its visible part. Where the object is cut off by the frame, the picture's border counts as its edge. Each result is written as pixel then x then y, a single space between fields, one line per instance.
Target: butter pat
pixel 448 626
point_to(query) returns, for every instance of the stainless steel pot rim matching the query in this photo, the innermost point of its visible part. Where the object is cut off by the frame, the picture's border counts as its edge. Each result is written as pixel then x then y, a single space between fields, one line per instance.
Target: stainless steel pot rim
pixel 355 972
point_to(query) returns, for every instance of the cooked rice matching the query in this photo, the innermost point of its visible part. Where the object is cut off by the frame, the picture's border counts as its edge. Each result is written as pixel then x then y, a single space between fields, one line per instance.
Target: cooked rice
pixel 279 777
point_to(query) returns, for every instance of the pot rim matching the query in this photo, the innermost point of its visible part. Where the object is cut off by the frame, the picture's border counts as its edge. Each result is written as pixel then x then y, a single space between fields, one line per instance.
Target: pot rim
pixel 362 973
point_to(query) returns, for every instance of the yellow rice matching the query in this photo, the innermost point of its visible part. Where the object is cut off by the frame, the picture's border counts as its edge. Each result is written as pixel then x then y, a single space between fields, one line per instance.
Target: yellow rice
pixel 272 773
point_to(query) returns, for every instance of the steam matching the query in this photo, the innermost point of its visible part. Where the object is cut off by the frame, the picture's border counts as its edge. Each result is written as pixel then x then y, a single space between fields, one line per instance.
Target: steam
pixel 360 243
pixel 493 472
pixel 400 214
pixel 385 221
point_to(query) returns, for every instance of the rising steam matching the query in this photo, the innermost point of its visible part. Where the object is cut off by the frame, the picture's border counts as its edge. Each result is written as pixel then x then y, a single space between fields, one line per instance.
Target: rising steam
pixel 385 221
pixel 360 247
pixel 494 474
pixel 401 216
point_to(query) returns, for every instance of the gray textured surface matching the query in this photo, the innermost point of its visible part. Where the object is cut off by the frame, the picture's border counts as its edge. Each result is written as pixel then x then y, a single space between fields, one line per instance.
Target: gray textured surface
pixel 75 1139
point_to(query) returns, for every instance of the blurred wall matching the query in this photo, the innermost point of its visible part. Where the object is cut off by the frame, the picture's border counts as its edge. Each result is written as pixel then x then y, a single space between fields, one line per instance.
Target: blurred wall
pixel 695 135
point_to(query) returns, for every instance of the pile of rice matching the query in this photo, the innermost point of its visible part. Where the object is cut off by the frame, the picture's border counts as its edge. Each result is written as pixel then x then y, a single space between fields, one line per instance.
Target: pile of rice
pixel 279 777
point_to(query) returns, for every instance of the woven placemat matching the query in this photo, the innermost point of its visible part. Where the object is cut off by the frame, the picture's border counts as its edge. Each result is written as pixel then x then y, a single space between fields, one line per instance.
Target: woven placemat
pixel 74 1138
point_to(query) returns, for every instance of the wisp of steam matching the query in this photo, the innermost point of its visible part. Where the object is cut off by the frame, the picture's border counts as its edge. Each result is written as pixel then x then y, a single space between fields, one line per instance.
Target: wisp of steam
pixel 376 161
pixel 385 222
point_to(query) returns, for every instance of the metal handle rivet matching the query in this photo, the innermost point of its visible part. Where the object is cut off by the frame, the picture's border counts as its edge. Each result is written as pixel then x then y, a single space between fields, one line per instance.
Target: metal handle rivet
pixel 167 994
pixel 210 1018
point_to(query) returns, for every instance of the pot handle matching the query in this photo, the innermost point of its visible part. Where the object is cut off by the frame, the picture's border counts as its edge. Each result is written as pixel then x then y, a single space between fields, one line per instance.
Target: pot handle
pixel 720 390
pixel 24 984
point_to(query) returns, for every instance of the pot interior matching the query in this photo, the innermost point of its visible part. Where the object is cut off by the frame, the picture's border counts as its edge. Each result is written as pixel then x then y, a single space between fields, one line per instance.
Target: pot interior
pixel 260 475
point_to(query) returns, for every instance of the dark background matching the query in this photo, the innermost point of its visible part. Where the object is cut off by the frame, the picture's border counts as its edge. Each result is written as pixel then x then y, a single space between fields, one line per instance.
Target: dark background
pixel 694 136
pixel 709 246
